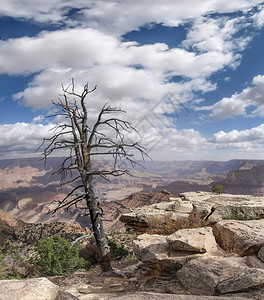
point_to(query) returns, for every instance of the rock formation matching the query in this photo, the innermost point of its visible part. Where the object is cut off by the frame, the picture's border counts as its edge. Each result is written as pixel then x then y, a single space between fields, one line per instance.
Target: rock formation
pixel 224 260
pixel 206 206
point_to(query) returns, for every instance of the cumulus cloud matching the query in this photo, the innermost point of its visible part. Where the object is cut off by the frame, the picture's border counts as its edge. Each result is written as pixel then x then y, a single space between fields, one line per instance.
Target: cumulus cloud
pixel 239 102
pixel 117 16
pixel 246 142
pixel 218 35
pixel 22 138
pixel 88 46
pixel 125 71
pixel 104 60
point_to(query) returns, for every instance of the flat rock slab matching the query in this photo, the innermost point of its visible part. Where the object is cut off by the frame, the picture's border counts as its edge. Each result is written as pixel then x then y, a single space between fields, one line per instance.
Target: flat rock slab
pixel 219 275
pixel 215 208
pixel 156 296
pixel 240 237
pixel 30 289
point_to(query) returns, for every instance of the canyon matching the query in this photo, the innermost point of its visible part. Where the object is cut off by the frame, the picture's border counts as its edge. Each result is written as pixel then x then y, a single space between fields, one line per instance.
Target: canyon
pixel 29 189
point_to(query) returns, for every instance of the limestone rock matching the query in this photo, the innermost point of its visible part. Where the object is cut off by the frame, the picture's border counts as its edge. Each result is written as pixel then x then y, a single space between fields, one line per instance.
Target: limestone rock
pixel 157 296
pixel 30 289
pixel 201 276
pixel 62 295
pixel 241 237
pixel 140 218
pixel 153 250
pixel 261 253
pixel 198 240
pixel 215 208
pixel 250 279
pixel 115 284
pixel 253 261
pixel 207 206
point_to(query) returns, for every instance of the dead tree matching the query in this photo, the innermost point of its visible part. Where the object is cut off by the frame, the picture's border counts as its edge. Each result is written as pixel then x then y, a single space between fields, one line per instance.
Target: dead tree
pixel 106 137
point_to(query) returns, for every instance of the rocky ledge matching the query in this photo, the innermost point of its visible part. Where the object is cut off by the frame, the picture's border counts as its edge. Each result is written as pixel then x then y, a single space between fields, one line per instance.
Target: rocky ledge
pixel 208 207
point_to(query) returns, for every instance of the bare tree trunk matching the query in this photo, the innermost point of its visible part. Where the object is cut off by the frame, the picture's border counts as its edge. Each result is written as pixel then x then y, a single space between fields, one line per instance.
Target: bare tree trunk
pixel 98 229
pixel 83 143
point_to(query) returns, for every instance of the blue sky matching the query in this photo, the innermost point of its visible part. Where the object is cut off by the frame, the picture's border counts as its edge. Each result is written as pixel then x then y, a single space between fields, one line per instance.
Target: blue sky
pixel 189 73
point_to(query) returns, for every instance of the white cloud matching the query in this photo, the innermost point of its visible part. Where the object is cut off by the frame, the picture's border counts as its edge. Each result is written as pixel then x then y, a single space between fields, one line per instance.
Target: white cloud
pixel 87 54
pixel 217 34
pixel 246 143
pixel 135 77
pixel 259 17
pixel 22 138
pixel 238 103
pixel 119 16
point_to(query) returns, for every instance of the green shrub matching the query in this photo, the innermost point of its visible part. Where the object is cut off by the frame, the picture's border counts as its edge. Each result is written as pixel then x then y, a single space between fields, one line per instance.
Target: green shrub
pixel 56 257
pixel 117 250
pixel 218 189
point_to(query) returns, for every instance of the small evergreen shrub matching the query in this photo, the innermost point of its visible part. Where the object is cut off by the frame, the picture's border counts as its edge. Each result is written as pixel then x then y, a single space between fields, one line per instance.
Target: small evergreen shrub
pixel 218 189
pixel 117 250
pixel 56 257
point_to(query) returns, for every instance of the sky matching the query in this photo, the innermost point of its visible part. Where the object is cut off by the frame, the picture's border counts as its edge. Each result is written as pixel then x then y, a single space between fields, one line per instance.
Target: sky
pixel 189 73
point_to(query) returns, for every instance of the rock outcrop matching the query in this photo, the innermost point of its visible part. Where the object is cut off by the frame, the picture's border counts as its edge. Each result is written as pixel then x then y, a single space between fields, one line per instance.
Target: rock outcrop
pixel 202 266
pixel 219 275
pixel 139 219
pixel 170 253
pixel 31 289
pixel 214 208
pixel 240 237
pixel 208 207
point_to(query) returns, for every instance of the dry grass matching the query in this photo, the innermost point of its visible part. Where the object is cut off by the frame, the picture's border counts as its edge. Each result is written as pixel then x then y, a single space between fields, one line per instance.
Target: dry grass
pixel 166 225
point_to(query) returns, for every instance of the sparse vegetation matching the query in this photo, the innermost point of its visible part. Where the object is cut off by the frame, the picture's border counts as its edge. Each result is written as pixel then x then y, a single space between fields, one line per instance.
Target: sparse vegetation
pixel 218 188
pixel 55 256
pixel 166 225
pixel 12 264
pixel 90 251
pixel 117 250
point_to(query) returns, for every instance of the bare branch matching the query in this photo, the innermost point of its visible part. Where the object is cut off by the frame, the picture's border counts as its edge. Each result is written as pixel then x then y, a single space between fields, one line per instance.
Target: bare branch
pixel 83 143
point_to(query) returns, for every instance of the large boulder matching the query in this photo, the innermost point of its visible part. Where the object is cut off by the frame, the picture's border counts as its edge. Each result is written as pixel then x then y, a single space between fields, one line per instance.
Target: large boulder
pixel 219 275
pixel 153 251
pixel 240 237
pixel 30 289
pixel 167 253
pixel 198 240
